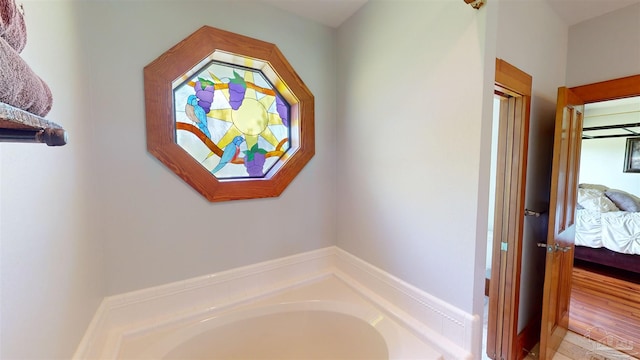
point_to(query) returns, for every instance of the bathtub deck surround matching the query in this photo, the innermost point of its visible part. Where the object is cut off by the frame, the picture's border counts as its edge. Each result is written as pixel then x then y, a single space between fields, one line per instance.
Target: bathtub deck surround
pixel 324 318
pixel 328 281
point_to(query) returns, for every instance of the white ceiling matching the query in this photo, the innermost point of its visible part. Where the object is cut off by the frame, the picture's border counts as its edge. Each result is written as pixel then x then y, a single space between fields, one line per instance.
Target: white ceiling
pixel 575 11
pixel 328 12
pixel 334 12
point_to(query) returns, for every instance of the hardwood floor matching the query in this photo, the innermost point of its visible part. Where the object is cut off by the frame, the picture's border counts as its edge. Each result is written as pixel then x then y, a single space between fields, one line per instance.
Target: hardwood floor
pixel 576 347
pixel 604 318
pixel 606 310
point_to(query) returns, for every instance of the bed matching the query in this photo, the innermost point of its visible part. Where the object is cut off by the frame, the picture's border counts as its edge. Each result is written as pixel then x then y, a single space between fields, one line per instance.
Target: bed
pixel 608 227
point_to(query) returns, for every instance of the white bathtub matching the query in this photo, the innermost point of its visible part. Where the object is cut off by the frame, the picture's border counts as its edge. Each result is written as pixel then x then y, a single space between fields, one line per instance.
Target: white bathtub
pixel 325 303
pixel 325 319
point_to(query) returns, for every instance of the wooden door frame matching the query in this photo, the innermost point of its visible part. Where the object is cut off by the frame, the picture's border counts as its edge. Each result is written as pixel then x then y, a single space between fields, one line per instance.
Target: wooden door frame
pixel 590 93
pixel 609 90
pixel 504 287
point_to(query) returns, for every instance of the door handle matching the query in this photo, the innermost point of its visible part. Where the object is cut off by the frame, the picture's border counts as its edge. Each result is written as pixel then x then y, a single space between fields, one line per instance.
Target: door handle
pixel 554 247
pixel 528 212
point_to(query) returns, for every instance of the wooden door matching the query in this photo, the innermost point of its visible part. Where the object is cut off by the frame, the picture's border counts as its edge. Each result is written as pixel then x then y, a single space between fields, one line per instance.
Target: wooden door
pixel 513 87
pixel 564 184
pixel 559 258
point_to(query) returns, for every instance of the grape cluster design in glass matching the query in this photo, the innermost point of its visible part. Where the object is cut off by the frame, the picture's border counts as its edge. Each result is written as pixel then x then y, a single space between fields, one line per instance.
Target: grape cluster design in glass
pixel 232 119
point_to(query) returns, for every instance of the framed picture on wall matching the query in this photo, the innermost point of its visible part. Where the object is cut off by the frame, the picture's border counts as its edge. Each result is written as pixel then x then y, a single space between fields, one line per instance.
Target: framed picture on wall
pixel 632 156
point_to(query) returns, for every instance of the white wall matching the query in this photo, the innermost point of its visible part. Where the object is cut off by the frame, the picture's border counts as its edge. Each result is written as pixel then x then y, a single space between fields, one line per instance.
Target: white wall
pixel 541 52
pixel 101 216
pixel 492 183
pixel 411 108
pixel 604 48
pixel 155 228
pixel 601 162
pixel 414 98
pixel 52 269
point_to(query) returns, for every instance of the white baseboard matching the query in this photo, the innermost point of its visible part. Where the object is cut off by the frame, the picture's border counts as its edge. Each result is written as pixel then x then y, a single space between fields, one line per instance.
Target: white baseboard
pixel 442 325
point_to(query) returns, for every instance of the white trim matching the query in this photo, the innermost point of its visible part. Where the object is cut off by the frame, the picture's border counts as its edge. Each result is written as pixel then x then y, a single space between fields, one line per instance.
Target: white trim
pixel 97 329
pixel 446 327
pixel 440 324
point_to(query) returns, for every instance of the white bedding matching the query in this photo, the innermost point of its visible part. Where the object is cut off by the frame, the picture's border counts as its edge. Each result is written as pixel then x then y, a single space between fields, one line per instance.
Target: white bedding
pixel 616 230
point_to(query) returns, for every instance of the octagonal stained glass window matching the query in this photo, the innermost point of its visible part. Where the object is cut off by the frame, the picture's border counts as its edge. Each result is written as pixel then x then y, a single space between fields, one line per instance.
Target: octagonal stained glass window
pixel 229 115
pixel 232 118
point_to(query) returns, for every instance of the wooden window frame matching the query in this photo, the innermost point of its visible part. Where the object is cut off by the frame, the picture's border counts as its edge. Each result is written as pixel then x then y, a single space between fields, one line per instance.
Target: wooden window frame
pixel 161 127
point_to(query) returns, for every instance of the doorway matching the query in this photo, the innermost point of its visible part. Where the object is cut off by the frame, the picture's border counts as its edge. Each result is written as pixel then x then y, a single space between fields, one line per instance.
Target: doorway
pixel 604 292
pixel 512 99
pixel 491 213
pixel 560 242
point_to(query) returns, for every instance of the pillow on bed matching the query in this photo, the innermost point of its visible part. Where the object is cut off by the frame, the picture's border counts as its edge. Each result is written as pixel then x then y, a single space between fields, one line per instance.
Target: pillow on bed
pixel 599 187
pixel 624 201
pixel 595 200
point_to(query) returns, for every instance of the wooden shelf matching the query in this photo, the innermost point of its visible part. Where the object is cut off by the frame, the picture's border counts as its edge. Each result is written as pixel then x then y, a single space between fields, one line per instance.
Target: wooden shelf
pixel 17 125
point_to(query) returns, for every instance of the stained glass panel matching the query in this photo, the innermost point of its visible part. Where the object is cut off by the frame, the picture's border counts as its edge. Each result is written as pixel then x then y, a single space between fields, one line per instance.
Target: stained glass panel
pixel 233 116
